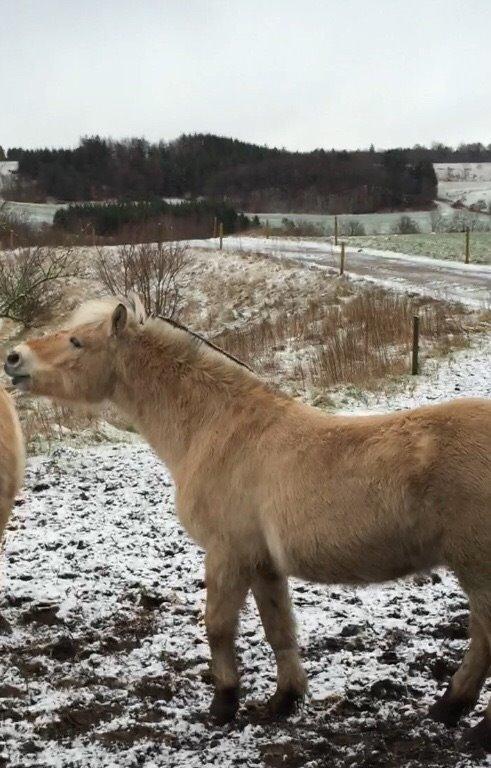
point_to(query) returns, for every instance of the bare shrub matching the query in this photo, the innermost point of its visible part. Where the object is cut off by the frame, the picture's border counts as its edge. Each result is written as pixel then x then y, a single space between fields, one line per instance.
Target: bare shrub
pixel 152 270
pixel 32 280
pixel 352 228
pixel 299 228
pixel 406 226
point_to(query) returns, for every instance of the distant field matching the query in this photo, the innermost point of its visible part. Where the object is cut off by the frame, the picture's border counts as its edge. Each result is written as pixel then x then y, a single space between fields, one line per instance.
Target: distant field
pixel 373 223
pixel 437 246
pixel 467 183
pixel 34 213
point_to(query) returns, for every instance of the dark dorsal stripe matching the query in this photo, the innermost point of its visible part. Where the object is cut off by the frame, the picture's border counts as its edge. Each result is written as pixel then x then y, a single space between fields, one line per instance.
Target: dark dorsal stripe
pixel 198 336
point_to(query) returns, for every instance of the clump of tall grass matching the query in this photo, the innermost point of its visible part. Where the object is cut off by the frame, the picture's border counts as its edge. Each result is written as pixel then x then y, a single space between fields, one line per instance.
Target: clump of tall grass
pixel 358 341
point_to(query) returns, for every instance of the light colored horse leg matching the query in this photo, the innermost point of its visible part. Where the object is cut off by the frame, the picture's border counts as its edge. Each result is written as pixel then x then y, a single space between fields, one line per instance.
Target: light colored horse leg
pixel 273 601
pixel 480 735
pixel 227 588
pixel 463 690
pixel 5 510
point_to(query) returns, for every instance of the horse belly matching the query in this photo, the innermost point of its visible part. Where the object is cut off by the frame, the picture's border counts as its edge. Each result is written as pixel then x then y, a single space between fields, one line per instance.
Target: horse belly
pixel 363 556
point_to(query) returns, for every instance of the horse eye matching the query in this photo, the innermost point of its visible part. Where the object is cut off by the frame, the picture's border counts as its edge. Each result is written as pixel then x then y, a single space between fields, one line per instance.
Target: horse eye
pixel 75 342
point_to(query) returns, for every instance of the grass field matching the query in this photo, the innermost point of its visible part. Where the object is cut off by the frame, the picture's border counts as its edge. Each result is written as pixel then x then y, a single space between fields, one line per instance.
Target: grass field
pixel 438 246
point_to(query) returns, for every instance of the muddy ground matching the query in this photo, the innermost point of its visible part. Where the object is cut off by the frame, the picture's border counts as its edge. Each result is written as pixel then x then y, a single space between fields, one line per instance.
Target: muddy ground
pixel 106 663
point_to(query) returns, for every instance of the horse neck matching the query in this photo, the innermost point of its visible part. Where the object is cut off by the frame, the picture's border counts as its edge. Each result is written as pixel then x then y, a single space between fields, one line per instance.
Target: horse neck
pixel 171 404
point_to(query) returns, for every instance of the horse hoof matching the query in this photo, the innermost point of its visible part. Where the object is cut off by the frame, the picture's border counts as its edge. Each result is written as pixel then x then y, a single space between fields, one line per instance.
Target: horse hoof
pixel 224 705
pixel 5 628
pixel 284 703
pixel 448 711
pixel 479 737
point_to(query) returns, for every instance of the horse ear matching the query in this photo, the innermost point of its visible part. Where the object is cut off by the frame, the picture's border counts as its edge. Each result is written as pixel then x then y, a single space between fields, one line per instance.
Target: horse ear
pixel 119 320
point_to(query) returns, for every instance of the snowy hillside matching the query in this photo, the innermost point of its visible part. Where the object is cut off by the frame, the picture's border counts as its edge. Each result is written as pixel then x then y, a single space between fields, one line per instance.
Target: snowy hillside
pixel 467 183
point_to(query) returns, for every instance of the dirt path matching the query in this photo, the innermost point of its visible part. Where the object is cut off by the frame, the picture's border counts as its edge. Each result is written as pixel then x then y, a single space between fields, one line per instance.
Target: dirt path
pixel 469 284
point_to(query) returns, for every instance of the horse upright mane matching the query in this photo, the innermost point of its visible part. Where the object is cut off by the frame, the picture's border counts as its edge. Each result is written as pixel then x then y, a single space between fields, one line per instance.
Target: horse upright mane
pixel 100 309
pixel 181 327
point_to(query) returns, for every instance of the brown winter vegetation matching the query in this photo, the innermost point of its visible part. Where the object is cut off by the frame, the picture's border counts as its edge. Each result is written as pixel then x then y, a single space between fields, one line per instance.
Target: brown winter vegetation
pixel 359 340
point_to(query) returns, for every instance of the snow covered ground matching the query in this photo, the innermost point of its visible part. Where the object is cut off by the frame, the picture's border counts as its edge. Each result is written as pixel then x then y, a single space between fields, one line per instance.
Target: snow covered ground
pixel 107 663
pixel 36 214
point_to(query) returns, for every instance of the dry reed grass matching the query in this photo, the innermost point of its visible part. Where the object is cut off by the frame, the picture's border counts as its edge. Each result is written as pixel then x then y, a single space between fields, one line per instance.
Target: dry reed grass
pixel 357 341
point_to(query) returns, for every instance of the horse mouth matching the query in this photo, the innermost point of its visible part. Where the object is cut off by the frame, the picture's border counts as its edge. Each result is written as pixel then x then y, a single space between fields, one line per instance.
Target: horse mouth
pixel 21 381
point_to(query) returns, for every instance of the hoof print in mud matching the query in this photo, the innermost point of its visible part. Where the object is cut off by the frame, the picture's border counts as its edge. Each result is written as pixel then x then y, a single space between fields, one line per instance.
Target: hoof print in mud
pixel 224 706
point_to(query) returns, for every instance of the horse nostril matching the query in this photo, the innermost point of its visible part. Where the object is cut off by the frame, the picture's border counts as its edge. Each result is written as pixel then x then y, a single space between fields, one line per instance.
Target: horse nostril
pixel 13 358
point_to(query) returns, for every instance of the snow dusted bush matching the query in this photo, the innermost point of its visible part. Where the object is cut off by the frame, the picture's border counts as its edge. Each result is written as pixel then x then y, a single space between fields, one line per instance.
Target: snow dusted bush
pixel 406 226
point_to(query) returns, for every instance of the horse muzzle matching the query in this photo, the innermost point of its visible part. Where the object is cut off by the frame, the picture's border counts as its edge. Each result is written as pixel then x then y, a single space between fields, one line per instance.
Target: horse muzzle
pixel 14 368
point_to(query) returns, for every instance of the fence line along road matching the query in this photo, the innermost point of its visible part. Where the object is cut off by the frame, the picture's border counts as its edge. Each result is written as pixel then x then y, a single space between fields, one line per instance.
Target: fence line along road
pixel 454 281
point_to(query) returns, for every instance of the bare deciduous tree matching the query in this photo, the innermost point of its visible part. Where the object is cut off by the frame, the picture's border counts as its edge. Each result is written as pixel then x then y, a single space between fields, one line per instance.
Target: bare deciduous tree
pixel 152 270
pixel 31 281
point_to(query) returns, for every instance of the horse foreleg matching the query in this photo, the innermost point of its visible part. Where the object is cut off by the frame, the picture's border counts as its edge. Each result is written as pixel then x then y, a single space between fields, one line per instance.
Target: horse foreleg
pixel 227 588
pixel 270 591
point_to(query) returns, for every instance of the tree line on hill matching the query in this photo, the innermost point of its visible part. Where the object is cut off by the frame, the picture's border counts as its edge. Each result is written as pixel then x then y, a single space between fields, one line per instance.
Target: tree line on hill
pixel 248 176
pixel 193 218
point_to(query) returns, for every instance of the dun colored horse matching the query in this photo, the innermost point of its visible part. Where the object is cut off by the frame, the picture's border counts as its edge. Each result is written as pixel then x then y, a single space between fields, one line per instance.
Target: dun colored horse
pixel 11 458
pixel 271 487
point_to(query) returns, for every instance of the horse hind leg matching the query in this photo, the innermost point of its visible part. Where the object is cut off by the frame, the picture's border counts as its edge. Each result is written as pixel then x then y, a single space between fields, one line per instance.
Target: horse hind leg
pixel 480 735
pixel 270 591
pixel 465 685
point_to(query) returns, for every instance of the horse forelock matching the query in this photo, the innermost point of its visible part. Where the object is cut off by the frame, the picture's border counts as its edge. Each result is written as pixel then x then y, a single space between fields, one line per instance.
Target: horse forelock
pixel 99 310
pixel 94 311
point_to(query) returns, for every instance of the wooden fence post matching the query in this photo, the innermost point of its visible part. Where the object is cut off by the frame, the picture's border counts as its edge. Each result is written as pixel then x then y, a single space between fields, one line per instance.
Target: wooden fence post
pixel 467 245
pixel 335 230
pixel 11 238
pixel 414 362
pixel 221 235
pixel 215 226
pixel 267 229
pixel 341 264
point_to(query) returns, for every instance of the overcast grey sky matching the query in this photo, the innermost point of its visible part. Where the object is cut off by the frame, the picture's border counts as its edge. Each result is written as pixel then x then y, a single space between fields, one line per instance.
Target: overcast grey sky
pixel 293 73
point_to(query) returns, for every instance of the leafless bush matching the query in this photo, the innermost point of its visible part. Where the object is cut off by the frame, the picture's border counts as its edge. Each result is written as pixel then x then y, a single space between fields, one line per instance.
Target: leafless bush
pixel 406 226
pixel 31 281
pixel 152 270
pixel 352 228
